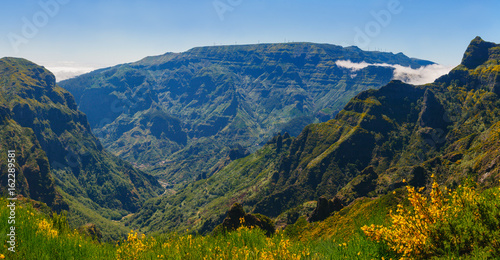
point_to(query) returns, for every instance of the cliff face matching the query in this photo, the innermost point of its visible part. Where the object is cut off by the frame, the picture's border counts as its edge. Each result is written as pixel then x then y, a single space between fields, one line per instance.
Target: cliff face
pixel 209 99
pixel 59 161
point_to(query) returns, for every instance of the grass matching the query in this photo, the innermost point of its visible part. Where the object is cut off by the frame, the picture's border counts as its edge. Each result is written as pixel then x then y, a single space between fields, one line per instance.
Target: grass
pixel 41 236
pixel 468 230
pixel 38 238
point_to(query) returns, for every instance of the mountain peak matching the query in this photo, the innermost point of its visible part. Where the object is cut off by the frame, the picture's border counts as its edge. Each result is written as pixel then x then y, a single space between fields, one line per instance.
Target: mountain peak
pixel 478 52
pixel 27 72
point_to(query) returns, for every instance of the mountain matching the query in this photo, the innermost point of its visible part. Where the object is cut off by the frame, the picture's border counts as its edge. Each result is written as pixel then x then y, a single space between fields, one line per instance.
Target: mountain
pixel 180 115
pixel 382 140
pixel 58 159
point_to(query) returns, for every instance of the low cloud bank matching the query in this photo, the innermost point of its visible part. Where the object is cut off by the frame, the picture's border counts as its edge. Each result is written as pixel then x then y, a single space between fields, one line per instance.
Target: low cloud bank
pixel 422 75
pixel 63 73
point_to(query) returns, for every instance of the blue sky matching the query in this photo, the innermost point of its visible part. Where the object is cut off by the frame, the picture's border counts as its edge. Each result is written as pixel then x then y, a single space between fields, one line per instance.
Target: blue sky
pixel 92 34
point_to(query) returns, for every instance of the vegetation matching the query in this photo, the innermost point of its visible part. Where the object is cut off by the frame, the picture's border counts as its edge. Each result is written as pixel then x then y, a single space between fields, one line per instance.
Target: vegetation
pixel 47 236
pixel 462 222
pixel 41 235
pixel 439 224
pixel 202 205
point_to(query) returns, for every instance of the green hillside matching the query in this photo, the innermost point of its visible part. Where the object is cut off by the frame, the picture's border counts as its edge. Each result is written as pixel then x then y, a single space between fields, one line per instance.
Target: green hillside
pixel 59 161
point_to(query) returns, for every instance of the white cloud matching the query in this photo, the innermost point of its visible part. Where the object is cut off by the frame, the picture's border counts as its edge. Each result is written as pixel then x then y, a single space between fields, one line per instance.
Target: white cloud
pixel 422 75
pixel 69 69
pixel 62 72
pixel 352 65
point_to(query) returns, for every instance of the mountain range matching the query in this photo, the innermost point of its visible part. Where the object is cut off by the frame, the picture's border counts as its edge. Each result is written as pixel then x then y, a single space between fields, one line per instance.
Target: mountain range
pixel 184 116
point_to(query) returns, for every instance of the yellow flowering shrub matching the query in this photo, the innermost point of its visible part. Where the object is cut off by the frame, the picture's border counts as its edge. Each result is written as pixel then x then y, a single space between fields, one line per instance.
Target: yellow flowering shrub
pixel 463 221
pixel 45 228
pixel 134 246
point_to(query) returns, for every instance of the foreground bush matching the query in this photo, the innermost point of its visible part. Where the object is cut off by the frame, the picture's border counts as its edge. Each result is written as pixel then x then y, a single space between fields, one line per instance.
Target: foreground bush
pixel 463 222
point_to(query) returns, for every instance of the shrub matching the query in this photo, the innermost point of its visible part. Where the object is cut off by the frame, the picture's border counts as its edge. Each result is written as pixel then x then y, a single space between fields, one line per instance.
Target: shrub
pixel 460 222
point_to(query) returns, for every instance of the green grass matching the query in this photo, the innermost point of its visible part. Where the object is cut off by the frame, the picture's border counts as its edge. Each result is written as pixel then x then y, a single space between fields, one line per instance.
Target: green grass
pixel 40 235
pixel 32 242
pixel 346 223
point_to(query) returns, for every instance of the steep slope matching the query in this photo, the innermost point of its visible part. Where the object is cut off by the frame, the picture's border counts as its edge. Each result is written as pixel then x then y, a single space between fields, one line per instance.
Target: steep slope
pixel 399 132
pixel 202 205
pixel 33 179
pixel 59 161
pixel 380 139
pixel 209 99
